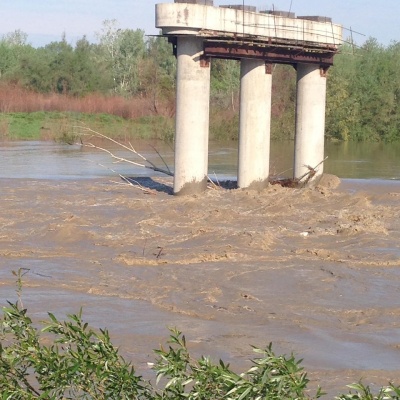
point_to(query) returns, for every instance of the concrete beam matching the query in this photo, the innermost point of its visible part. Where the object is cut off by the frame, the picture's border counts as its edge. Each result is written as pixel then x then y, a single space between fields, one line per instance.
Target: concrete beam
pixel 208 21
pixel 192 117
pixel 255 124
pixel 310 121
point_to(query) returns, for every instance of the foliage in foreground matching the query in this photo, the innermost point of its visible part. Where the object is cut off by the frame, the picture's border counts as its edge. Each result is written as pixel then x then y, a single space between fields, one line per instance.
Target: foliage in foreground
pixel 70 360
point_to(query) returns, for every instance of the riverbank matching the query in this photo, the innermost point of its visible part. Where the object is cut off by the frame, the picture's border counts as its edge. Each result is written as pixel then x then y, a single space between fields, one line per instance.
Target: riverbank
pixel 67 126
pixel 315 271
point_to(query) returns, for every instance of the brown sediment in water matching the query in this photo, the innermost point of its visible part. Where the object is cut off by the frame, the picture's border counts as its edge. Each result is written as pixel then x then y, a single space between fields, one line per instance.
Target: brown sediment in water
pixel 313 270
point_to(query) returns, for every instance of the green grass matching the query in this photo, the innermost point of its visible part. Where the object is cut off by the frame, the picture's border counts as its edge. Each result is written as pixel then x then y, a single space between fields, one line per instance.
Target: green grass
pixel 21 125
pixel 66 125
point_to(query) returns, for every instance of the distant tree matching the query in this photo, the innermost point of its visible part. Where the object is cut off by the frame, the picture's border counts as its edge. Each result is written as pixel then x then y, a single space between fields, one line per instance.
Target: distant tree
pixel 13 46
pixel 342 111
pixel 89 72
pixel 283 101
pixel 16 38
pixel 122 49
pixel 158 74
pixel 35 72
pixel 8 60
pixel 61 66
pixel 225 83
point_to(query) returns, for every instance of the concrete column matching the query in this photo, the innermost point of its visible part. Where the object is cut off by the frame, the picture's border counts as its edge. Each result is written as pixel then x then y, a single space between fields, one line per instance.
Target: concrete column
pixel 310 121
pixel 255 124
pixel 192 117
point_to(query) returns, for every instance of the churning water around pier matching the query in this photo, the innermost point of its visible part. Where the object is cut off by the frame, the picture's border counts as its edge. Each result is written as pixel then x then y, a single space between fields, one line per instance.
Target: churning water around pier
pixel 315 271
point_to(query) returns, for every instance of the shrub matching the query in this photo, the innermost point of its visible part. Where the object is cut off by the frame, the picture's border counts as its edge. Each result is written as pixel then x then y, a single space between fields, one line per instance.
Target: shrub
pixel 271 377
pixel 70 360
pixel 79 363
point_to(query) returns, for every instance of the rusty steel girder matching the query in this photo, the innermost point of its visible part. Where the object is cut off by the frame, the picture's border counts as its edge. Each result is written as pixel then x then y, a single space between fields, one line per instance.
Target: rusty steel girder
pixel 271 53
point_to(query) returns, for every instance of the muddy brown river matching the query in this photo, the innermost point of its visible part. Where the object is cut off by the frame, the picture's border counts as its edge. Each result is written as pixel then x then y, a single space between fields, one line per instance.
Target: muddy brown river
pixel 314 271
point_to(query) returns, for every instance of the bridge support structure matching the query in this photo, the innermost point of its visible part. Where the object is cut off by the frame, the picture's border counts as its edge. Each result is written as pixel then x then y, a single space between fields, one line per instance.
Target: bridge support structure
pixel 255 124
pixel 192 117
pixel 310 121
pixel 199 32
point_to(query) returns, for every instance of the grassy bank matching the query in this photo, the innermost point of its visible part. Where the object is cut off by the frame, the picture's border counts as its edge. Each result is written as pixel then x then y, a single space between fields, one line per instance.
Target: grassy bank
pixel 66 126
pixel 28 115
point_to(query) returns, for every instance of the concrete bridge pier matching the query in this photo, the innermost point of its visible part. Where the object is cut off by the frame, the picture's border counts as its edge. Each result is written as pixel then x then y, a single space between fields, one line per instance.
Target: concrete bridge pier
pixel 192 117
pixel 199 30
pixel 255 123
pixel 310 120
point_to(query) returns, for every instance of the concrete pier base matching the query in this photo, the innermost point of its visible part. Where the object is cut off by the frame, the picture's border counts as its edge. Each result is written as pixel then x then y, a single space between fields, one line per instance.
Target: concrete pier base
pixel 310 121
pixel 192 117
pixel 255 124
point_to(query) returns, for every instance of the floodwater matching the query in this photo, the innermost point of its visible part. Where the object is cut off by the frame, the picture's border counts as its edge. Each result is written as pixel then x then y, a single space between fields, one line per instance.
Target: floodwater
pixel 315 271
pixel 49 160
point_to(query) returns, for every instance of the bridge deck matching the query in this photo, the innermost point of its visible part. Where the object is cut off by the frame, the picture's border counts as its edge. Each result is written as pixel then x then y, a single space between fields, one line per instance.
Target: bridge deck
pixel 226 24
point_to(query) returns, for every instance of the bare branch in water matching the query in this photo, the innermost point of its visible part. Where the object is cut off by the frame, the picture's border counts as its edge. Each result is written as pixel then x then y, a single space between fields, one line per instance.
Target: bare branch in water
pixel 310 173
pixel 162 158
pixel 146 162
pixel 130 182
pixel 143 161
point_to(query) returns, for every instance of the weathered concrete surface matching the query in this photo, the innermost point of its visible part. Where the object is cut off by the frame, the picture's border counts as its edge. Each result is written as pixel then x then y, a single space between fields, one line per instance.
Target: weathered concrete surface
pixel 255 124
pixel 192 19
pixel 192 117
pixel 310 121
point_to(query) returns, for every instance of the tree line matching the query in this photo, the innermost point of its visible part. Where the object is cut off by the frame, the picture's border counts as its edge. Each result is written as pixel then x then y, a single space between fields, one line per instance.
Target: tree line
pixel 364 93
pixel 122 62
pixel 363 86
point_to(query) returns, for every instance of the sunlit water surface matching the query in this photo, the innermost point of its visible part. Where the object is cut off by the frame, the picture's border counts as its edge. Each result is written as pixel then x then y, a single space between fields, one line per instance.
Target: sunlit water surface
pixel 49 160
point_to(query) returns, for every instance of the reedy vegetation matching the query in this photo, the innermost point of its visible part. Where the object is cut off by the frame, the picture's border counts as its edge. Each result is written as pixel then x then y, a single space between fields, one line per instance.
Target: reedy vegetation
pixel 129 75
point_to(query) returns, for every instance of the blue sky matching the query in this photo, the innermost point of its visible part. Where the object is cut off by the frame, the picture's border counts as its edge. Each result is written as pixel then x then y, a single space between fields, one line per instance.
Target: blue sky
pixel 46 20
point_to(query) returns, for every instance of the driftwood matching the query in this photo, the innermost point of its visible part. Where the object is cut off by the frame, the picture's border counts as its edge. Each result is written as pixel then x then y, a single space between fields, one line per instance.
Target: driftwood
pixel 298 182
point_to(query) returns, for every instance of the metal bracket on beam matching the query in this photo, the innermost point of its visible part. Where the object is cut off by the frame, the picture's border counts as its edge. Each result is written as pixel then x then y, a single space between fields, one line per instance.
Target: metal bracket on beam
pixel 269 67
pixel 174 41
pixel 324 71
pixel 205 61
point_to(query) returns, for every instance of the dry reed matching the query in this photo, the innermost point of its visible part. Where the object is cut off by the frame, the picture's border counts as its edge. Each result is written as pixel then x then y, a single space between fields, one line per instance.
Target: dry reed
pixel 14 98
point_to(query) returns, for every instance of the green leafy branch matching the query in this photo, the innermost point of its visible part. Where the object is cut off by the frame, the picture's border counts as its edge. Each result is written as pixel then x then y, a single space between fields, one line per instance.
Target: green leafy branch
pixel 70 360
